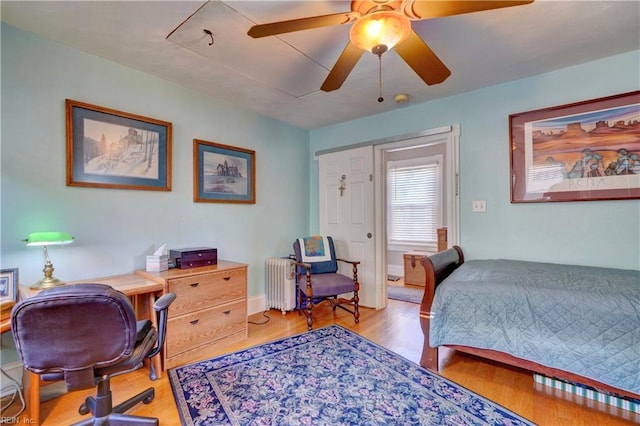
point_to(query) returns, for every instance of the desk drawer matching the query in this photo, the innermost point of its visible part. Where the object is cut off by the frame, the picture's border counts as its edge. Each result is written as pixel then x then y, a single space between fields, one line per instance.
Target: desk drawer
pixel 197 328
pixel 201 291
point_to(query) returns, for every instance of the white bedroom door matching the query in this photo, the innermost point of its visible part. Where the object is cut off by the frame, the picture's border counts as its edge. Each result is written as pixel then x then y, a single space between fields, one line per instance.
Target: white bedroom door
pixel 346 212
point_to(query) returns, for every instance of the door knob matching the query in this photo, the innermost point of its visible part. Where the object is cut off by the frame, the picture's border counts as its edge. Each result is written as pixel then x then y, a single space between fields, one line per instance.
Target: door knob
pixel 369 235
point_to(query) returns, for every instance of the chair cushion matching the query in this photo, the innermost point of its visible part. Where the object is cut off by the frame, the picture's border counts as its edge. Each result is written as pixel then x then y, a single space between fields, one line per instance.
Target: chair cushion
pixel 140 352
pixel 79 379
pixel 328 284
pixel 318 251
pixel 142 328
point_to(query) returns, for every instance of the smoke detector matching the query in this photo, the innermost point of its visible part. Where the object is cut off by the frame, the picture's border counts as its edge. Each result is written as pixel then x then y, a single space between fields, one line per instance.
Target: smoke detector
pixel 401 98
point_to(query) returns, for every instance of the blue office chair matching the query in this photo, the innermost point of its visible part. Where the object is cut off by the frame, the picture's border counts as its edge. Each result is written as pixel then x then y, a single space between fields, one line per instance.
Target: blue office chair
pixel 317 278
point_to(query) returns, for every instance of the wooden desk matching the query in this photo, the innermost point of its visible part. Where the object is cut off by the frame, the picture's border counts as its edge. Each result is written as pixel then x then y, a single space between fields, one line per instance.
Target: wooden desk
pixel 141 291
pixel 5 322
pixel 5 326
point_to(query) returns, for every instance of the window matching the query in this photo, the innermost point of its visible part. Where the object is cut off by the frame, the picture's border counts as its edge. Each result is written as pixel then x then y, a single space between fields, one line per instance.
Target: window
pixel 414 201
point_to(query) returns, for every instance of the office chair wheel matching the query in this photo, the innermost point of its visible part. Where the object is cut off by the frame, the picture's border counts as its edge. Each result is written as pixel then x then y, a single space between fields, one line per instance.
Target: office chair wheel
pixel 150 394
pixel 83 409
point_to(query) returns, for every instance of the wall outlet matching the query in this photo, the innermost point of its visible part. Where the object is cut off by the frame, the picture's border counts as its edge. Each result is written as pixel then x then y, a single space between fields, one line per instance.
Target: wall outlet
pixel 479 206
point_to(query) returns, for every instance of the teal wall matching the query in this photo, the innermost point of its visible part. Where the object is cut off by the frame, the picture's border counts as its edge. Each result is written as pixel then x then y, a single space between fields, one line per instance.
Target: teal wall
pixel 115 229
pixel 603 233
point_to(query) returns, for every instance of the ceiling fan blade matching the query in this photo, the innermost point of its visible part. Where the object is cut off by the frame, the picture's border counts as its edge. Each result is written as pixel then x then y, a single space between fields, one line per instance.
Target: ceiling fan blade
pixel 437 9
pixel 422 60
pixel 338 74
pixel 300 24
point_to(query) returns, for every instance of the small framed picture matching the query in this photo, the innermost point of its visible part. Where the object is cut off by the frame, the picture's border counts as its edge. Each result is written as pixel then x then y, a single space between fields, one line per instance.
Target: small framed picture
pixel 223 174
pixel 9 285
pixel 114 149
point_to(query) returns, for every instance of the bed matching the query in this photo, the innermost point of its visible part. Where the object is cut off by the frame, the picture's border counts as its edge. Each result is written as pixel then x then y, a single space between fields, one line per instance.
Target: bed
pixel 575 323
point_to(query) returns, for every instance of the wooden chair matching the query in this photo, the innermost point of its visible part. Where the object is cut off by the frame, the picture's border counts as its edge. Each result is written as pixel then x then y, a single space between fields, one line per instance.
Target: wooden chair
pixel 317 278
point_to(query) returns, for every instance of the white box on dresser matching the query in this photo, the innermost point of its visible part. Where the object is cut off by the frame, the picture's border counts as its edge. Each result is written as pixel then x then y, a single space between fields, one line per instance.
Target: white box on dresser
pixel 157 263
pixel 210 310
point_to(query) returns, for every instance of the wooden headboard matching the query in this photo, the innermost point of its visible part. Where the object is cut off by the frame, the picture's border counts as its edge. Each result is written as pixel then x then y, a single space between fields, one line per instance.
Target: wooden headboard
pixel 437 267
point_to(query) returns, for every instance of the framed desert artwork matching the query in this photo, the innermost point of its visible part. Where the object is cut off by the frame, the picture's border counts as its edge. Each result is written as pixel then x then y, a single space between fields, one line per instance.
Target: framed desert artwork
pixel 223 173
pixel 114 149
pixel 583 151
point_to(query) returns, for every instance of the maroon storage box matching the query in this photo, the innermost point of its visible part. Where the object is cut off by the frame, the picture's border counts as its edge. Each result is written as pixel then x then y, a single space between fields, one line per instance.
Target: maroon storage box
pixel 194 257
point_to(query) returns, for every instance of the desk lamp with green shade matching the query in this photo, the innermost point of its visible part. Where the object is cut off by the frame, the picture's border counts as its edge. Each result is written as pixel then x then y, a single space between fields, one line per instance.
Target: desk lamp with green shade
pixel 48 239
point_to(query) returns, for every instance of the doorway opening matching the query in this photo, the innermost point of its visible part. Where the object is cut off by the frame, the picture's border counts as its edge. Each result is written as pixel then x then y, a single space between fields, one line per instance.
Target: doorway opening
pixel 356 216
pixel 413 173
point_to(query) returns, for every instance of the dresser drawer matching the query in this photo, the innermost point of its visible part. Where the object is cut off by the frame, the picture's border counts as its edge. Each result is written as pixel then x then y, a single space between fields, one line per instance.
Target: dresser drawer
pixel 200 291
pixel 209 312
pixel 197 328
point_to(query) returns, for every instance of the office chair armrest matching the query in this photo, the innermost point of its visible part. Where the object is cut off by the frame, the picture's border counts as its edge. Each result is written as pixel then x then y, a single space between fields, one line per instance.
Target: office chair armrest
pixel 163 302
pixel 162 307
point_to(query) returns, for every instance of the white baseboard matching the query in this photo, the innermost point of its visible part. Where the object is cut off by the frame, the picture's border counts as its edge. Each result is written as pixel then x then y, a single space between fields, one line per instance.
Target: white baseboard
pixel 256 304
pixel 397 270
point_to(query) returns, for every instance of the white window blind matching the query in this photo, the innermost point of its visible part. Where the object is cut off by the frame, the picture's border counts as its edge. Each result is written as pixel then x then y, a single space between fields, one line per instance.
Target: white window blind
pixel 414 190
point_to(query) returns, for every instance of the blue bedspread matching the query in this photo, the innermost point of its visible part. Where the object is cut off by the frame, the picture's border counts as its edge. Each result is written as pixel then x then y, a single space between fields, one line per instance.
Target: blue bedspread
pixel 584 320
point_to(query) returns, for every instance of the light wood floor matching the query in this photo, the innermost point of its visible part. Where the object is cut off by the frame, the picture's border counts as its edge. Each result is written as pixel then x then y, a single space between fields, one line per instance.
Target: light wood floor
pixel 396 328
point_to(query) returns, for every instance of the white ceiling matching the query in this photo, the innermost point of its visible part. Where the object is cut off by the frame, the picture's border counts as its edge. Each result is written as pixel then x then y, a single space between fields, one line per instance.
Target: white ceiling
pixel 280 77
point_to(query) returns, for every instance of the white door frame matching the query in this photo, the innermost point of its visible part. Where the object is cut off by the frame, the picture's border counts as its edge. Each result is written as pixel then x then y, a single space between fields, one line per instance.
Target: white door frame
pixel 450 136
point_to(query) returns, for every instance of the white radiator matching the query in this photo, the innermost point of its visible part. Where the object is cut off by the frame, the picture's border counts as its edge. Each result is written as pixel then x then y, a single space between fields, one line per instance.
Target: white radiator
pixel 281 284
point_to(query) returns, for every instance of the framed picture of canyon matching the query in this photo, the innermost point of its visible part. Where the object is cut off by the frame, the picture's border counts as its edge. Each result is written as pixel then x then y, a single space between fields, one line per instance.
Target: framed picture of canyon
pixel 585 151
pixel 107 148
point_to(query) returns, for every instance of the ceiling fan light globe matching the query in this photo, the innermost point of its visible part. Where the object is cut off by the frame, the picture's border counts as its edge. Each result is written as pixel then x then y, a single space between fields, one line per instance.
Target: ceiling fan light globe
pixel 386 28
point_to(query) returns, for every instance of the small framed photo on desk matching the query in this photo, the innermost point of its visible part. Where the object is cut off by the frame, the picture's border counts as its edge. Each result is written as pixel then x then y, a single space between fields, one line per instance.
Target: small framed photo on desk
pixel 8 290
pixel 8 285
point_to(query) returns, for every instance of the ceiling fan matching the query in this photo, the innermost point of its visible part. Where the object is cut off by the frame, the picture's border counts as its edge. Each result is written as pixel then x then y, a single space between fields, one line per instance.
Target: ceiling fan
pixel 381 25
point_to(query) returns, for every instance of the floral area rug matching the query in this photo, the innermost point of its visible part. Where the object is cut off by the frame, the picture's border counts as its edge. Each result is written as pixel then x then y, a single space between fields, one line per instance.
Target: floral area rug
pixel 329 376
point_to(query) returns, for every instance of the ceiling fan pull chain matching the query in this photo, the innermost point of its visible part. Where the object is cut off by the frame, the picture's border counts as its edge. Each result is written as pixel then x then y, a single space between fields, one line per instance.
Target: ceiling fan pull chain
pixel 380 99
